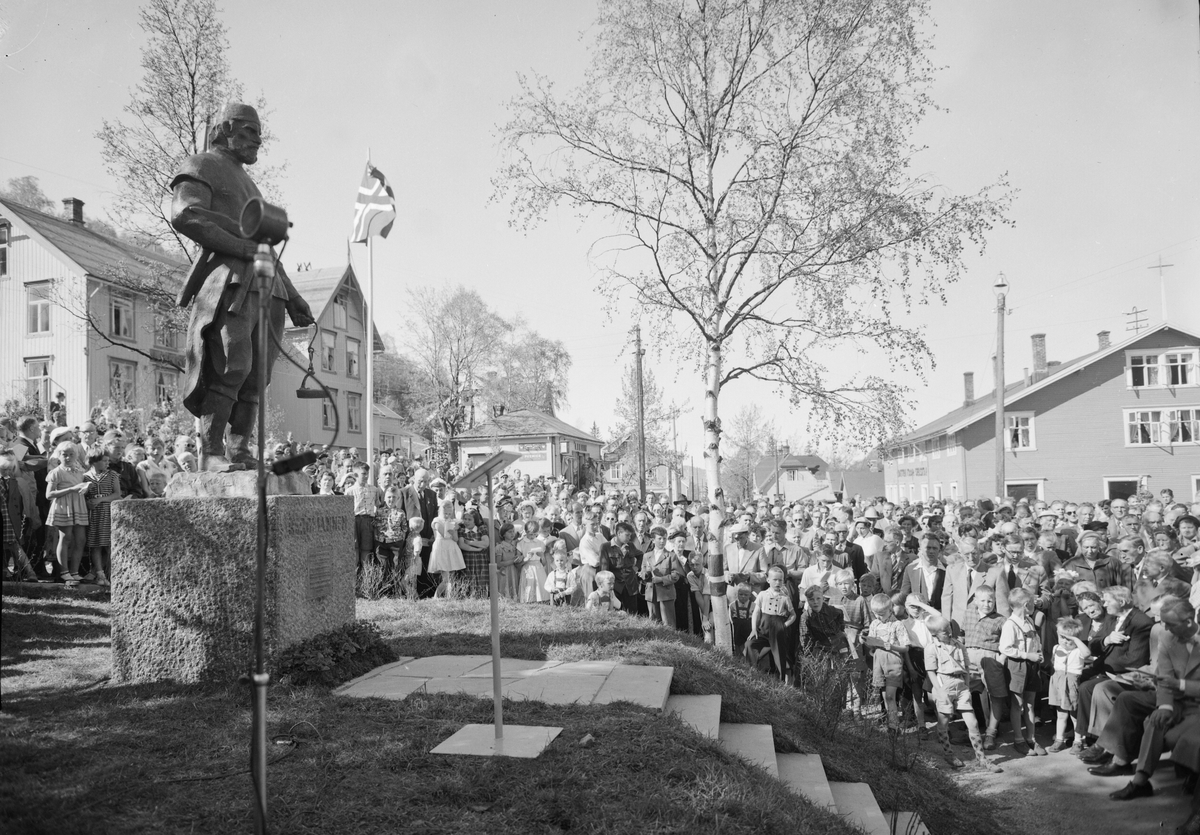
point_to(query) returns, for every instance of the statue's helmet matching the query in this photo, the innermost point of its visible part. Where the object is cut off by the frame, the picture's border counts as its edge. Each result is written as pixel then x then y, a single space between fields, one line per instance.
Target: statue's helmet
pixel 236 111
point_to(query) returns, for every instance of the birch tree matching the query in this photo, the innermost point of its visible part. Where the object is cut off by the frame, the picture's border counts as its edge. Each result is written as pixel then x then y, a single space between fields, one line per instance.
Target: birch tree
pixel 753 158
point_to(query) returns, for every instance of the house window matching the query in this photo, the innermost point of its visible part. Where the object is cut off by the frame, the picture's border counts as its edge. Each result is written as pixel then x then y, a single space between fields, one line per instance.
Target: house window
pixel 937 491
pixel 328 350
pixel 954 491
pixel 39 307
pixel 166 384
pixel 387 441
pixel 1180 368
pixel 5 233
pixel 791 475
pixel 352 355
pixel 1120 487
pixel 1029 490
pixel 339 312
pixel 1158 427
pixel 1196 488
pixel 37 382
pixel 121 317
pixel 1173 367
pixel 1020 434
pixel 329 409
pixel 354 411
pixel 614 471
pixel 165 334
pixel 122 382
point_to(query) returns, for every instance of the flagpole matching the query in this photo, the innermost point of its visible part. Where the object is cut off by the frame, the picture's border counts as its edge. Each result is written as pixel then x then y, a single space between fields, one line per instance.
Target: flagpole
pixel 370 393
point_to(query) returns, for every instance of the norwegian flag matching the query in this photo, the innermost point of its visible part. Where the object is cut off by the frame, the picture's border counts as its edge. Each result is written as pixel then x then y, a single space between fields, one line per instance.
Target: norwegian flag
pixel 375 209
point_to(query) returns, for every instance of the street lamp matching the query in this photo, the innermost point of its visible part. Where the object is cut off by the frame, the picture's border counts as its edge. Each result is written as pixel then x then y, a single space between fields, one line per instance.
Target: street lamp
pixel 784 450
pixel 1001 290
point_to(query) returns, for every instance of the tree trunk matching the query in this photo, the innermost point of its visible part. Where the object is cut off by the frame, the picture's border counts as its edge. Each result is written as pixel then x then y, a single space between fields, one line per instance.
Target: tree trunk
pixel 722 628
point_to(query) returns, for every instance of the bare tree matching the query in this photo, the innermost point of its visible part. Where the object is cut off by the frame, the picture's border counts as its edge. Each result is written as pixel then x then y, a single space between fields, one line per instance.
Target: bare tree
pixel 753 156
pixel 749 438
pixel 658 414
pixel 185 83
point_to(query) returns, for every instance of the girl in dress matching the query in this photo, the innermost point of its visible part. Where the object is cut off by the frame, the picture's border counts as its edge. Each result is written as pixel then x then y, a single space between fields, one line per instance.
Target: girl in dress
pixel 106 488
pixel 533 570
pixel 774 614
pixel 1070 656
pixel 1021 648
pixel 445 556
pixel 68 514
pixel 508 561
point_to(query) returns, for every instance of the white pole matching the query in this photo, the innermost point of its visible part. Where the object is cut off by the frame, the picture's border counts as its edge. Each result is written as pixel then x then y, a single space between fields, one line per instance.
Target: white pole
pixel 494 596
pixel 369 395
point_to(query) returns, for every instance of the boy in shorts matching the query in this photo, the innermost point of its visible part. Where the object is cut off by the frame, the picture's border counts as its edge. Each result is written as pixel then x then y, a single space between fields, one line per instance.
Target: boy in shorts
pixel 948 668
pixel 981 631
pixel 887 639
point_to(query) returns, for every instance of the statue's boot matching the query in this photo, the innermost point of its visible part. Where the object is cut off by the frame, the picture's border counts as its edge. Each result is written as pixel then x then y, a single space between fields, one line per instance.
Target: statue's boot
pixel 241 426
pixel 215 410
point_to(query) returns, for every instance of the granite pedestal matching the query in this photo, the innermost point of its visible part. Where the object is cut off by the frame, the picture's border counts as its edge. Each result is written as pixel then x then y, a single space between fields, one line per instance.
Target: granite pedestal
pixel 183 582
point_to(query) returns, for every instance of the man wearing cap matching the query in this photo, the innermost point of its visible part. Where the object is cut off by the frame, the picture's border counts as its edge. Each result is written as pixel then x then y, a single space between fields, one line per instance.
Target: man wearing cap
pixel 682 501
pixel 743 559
pixel 223 365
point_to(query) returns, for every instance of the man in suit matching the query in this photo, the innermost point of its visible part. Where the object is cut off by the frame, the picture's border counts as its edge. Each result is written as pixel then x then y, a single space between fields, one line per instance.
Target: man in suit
pixel 925 574
pixel 1123 644
pixel 421 503
pixel 957 587
pixel 1146 721
pixel 888 565
pixel 1010 569
pixel 856 560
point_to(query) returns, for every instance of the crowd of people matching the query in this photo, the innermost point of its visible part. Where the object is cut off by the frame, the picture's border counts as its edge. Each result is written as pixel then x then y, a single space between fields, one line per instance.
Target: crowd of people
pixel 985 611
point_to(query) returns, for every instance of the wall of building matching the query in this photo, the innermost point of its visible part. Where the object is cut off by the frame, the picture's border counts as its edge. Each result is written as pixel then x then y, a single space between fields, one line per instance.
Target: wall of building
pixel 29 262
pixel 539 453
pixel 1080 434
pixel 924 475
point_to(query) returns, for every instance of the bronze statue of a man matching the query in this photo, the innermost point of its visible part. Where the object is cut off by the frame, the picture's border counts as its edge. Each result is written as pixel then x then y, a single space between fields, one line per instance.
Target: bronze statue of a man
pixel 222 356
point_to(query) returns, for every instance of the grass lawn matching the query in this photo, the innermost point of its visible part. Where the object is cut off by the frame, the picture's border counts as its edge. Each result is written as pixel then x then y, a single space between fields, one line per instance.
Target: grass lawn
pixel 80 755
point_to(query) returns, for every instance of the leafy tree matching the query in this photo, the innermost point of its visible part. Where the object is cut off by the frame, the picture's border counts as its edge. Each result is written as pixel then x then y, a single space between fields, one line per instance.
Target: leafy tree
pixel 186 81
pixel 529 372
pixel 750 438
pixel 27 191
pixel 754 156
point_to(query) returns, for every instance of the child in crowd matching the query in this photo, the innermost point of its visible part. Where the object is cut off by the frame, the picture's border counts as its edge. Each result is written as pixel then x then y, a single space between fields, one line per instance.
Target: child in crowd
pixel 661 570
pixel 156 483
pixel 916 610
pixel 774 614
pixel 948 671
pixel 1070 656
pixel 740 609
pixel 446 557
pixel 819 573
pixel 533 569
pixel 562 582
pixel 1021 648
pixel 856 615
pixel 604 597
pixel 68 514
pixel 981 629
pixel 391 532
pixel 508 561
pixel 888 640
pixel 701 591
pixel 366 504
pixel 413 549
pixel 106 488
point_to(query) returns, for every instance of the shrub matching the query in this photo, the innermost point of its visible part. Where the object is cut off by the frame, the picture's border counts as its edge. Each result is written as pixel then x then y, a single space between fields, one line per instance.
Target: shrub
pixel 334 657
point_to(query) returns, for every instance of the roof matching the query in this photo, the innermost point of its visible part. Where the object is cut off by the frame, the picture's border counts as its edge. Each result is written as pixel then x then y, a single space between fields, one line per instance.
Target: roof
pixel 985 406
pixel 525 422
pixel 858 482
pixel 764 470
pixel 318 287
pixel 94 254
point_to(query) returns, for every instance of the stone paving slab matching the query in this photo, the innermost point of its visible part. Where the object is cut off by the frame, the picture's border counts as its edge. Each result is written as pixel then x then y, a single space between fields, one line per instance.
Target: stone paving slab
pixel 513 668
pixel 753 743
pixel 856 803
pixel 557 689
pixel 468 686
pixel 804 774
pixel 382 687
pixel 384 670
pixel 645 686
pixel 525 741
pixel 582 668
pixel 701 712
pixel 441 666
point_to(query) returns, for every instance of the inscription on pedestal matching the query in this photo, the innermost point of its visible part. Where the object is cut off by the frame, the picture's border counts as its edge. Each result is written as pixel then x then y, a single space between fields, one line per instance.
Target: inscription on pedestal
pixel 321 573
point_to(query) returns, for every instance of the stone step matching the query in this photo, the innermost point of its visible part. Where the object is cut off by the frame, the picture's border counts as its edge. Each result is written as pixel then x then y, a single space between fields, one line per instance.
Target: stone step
pixel 642 685
pixel 906 823
pixel 804 774
pixel 856 803
pixel 753 743
pixel 701 712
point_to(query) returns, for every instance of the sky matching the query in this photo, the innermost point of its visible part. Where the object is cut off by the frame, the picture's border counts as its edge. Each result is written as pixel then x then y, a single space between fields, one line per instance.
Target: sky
pixel 1090 107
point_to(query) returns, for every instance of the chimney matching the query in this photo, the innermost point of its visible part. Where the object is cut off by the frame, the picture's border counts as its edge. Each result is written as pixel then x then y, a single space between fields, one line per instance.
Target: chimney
pixel 1105 342
pixel 968 388
pixel 73 209
pixel 1039 357
pixel 1052 366
pixel 1025 376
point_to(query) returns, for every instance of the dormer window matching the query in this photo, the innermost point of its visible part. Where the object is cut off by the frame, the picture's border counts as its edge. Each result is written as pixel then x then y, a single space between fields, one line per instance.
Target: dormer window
pixel 5 235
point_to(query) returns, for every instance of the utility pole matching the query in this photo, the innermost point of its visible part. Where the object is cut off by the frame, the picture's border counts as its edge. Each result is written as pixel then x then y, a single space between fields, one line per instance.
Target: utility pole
pixel 641 415
pixel 1162 284
pixel 1001 289
pixel 676 472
